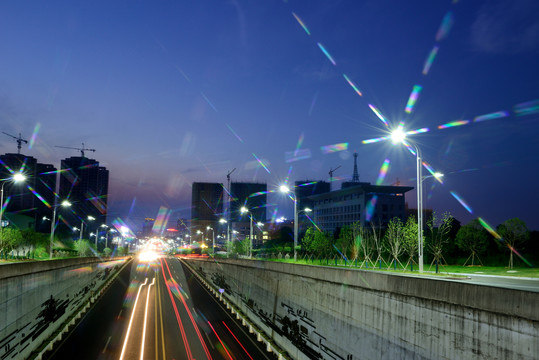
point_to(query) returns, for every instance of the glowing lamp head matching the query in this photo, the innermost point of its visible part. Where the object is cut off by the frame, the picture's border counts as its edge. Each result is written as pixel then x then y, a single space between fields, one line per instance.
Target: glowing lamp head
pixel 65 203
pixel 222 221
pixel 307 210
pixel 284 189
pixel 243 209
pixel 18 177
pixel 260 223
pixel 398 136
pixel 90 217
pixel 438 175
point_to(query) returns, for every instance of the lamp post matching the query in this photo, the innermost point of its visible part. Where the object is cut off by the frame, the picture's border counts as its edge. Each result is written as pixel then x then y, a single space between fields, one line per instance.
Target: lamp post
pixel 213 238
pixel 399 136
pixel 285 189
pixel 64 203
pixel 200 232
pixel 245 210
pixel 90 218
pixel 18 177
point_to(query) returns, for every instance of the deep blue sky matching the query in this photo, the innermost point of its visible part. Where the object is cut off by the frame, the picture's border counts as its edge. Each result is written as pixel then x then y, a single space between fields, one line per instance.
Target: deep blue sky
pixel 172 92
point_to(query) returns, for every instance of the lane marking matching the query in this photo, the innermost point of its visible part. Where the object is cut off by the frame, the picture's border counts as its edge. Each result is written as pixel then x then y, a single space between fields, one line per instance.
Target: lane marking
pixel 119 314
pixel 106 345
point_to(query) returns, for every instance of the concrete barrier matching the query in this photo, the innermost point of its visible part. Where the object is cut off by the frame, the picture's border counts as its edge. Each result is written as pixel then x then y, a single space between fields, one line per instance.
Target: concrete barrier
pixel 36 298
pixel 334 313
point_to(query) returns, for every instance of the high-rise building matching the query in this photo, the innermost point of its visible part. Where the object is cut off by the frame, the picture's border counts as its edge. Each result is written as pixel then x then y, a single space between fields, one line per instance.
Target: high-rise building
pixel 34 197
pixel 207 205
pixel 85 184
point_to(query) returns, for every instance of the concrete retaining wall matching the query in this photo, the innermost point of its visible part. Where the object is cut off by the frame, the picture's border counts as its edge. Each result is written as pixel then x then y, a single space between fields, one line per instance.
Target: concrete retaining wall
pixel 329 313
pixel 37 297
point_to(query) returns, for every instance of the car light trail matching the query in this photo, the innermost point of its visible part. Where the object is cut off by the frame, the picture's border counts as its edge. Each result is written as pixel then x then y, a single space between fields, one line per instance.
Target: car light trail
pixel 221 341
pixel 190 317
pixel 182 330
pixel 237 340
pixel 131 320
pixel 145 318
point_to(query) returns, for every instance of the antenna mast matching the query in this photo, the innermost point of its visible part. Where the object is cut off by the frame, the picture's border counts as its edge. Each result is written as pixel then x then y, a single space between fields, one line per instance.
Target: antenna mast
pixel 19 140
pixel 355 176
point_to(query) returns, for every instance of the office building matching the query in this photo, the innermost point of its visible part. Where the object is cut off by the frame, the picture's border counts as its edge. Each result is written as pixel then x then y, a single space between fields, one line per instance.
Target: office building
pixel 206 206
pixel 85 184
pixel 33 198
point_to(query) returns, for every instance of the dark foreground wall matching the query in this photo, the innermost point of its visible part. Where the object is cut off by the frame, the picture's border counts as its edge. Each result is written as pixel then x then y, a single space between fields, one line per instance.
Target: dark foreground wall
pixel 329 313
pixel 37 297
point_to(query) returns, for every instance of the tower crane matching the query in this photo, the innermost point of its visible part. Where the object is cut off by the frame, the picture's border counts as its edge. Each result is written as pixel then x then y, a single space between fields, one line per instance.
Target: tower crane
pixel 19 140
pixel 82 149
pixel 331 171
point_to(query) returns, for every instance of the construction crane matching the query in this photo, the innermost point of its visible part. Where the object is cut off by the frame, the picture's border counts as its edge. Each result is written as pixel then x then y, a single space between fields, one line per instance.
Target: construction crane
pixel 331 171
pixel 19 140
pixel 82 149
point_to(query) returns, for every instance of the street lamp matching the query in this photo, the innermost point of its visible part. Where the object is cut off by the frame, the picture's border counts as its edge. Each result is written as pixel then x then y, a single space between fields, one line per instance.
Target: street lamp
pixel 200 232
pixel 213 238
pixel 90 218
pixel 285 189
pixel 398 136
pixel 245 210
pixel 18 177
pixel 64 203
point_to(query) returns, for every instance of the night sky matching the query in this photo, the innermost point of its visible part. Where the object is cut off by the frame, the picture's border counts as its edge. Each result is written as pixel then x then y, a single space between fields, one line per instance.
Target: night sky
pixel 173 92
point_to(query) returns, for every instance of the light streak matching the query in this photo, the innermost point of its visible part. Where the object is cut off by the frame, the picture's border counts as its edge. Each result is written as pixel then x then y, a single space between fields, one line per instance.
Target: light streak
pixel 237 340
pixel 145 318
pixel 383 172
pixel 38 196
pixel 371 206
pixel 418 131
pixel 430 60
pixel 131 320
pixel 379 114
pixel 192 319
pixel 34 136
pixel 180 325
pixel 352 85
pixel 302 24
pixel 494 115
pixel 326 53
pixel 208 101
pixel 527 108
pixel 297 155
pixel 499 238
pixel 453 124
pixel 234 133
pixel 372 141
pixel 414 95
pixel 445 26
pixel 300 142
pixel 462 202
pixel 221 341
pixel 328 149
pixel 261 163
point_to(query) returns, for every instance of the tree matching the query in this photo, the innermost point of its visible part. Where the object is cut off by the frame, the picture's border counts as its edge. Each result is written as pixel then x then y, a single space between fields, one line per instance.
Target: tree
pixel 322 244
pixel 377 242
pixel 410 239
pixel 438 235
pixel 395 239
pixel 10 239
pixel 472 238
pixel 513 233
pixel 84 248
pixel 308 239
pixel 345 240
